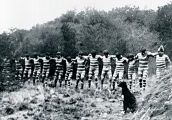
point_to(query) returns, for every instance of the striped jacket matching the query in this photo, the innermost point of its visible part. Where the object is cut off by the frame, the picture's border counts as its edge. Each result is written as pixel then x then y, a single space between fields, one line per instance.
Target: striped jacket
pixel 46 63
pixel 59 66
pixel 93 61
pixel 161 61
pixel 132 66
pixel 69 66
pixel 27 63
pixel 144 60
pixel 81 62
pixel 37 64
pixel 106 62
pixel 120 64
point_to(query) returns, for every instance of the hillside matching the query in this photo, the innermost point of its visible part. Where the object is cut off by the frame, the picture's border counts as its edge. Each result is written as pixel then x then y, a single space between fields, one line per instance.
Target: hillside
pixel 34 102
pixel 157 104
pixel 37 103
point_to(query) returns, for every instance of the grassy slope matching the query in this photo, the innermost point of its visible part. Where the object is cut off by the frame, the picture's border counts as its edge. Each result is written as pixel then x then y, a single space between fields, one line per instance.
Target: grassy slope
pixel 34 102
pixel 157 104
pixel 60 104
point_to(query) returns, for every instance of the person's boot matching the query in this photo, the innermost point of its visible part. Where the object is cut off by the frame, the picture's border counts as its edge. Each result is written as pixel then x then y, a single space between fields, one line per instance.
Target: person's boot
pixel 55 82
pixel 60 82
pixel 96 83
pixel 89 83
pixel 113 85
pixel 102 81
pixel 130 84
pixel 33 80
pixel 43 79
pixel 110 84
pixel 82 85
pixel 77 82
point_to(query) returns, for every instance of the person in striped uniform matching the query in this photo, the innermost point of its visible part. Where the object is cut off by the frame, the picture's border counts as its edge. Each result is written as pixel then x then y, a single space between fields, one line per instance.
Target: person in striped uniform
pixel 94 68
pixel 119 70
pixel 46 67
pixel 132 72
pixel 18 68
pixel 6 66
pixel 106 71
pixel 162 62
pixel 143 59
pixel 37 68
pixel 60 61
pixel 69 71
pixel 81 63
pixel 27 71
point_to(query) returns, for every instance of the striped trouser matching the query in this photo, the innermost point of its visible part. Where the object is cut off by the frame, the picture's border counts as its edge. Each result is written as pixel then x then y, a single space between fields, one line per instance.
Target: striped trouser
pixel 159 72
pixel 80 74
pixel 143 73
pixel 68 75
pixel 106 72
pixel 93 72
pixel 36 73
pixel 45 72
pixel 118 74
pixel 19 73
pixel 59 74
pixel 131 74
pixel 132 79
pixel 27 72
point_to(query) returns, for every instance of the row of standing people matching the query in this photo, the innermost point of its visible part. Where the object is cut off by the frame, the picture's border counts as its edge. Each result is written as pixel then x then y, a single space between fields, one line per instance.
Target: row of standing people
pixel 93 67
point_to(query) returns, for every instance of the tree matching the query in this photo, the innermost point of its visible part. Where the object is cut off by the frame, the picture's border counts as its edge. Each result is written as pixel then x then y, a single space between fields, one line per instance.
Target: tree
pixel 68 40
pixel 164 26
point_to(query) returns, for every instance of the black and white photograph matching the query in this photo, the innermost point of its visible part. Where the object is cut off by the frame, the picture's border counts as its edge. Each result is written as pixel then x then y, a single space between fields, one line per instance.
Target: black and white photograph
pixel 85 60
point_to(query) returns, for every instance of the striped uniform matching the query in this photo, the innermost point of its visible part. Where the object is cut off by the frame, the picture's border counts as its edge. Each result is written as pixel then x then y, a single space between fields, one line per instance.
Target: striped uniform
pixel 69 70
pixel 18 69
pixel 94 67
pixel 80 68
pixel 161 64
pixel 132 70
pixel 143 68
pixel 106 67
pixel 6 66
pixel 59 68
pixel 27 71
pixel 143 65
pixel 132 74
pixel 46 66
pixel 119 71
pixel 37 67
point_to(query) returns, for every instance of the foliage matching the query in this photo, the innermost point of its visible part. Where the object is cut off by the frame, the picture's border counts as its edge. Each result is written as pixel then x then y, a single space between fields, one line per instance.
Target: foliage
pixel 164 26
pixel 119 30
